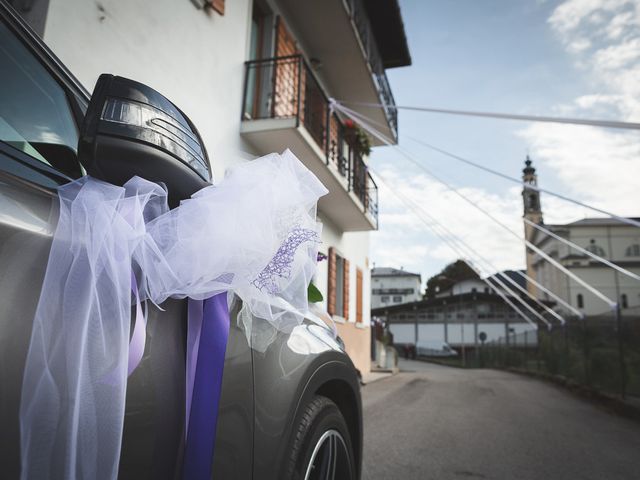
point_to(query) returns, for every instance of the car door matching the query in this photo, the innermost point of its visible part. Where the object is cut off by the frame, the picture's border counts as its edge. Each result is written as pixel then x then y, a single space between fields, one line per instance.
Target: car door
pixel 41 107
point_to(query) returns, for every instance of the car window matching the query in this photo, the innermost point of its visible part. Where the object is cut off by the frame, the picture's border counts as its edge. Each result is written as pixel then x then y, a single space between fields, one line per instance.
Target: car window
pixel 35 114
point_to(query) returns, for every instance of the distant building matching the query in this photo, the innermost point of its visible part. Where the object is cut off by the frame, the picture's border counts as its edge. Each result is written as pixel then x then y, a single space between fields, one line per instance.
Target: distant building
pixel 612 239
pixel 475 285
pixel 471 285
pixel 457 320
pixel 390 286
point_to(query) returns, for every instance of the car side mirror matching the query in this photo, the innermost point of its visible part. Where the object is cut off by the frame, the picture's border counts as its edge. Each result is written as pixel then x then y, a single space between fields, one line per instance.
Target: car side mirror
pixel 130 129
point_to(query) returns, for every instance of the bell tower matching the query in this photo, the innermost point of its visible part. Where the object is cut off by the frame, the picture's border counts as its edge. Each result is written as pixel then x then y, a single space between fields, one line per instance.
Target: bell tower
pixel 532 212
pixel 531 196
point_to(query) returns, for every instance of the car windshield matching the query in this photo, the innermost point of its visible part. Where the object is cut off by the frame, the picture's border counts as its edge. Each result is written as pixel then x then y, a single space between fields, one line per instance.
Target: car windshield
pixel 35 116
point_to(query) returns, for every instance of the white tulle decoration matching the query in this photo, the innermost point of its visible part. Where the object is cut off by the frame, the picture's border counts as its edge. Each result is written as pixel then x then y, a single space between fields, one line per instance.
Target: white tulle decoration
pixel 255 235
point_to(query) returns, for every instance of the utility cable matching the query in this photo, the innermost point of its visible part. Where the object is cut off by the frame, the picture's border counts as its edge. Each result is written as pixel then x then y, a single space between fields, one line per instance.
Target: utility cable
pixel 582 250
pixel 457 250
pixel 370 122
pixel 380 136
pixel 491 268
pixel 507 116
pixel 629 221
pixel 552 294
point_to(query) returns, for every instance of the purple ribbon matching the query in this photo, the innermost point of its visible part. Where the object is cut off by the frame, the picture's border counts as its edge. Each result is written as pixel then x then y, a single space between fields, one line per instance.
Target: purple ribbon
pixel 208 331
pixel 207 334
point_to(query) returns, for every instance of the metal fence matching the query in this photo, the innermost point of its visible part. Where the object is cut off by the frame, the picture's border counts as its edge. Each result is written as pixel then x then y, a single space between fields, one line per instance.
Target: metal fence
pixel 599 352
pixel 365 33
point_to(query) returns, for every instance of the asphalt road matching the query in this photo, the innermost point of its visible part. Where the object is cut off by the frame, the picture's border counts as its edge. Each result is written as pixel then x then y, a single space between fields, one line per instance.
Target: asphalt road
pixel 434 422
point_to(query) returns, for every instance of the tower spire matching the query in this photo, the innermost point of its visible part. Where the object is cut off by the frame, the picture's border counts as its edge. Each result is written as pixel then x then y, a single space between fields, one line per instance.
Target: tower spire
pixel 531 197
pixel 532 212
pixel 528 169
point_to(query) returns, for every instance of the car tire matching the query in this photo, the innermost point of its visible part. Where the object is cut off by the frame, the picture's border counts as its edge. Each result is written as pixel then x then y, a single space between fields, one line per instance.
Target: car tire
pixel 321 443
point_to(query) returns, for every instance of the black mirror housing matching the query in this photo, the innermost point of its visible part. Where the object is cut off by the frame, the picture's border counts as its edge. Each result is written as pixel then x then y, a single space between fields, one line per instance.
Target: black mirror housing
pixel 131 129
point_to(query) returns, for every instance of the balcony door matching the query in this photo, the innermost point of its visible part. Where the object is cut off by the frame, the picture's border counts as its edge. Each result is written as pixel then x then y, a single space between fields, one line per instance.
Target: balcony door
pixel 286 76
pixel 258 98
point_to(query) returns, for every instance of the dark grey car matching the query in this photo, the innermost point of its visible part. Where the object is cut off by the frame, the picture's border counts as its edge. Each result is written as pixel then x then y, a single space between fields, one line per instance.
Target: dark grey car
pixel 293 411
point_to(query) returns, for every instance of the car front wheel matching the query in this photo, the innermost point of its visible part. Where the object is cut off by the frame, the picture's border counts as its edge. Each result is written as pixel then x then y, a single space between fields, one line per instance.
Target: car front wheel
pixel 321 447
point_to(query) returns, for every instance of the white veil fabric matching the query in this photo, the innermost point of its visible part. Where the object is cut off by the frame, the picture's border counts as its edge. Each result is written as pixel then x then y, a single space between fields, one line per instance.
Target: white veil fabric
pixel 255 235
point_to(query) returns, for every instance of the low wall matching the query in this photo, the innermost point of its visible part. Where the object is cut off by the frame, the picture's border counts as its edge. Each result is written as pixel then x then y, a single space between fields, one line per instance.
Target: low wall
pixel 357 341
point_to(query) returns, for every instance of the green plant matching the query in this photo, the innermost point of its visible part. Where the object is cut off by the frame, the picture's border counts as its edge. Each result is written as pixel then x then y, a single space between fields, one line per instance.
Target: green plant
pixel 313 294
pixel 357 137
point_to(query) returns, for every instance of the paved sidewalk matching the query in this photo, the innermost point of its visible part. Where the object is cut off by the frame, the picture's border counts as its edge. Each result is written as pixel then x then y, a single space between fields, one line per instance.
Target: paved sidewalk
pixel 374 376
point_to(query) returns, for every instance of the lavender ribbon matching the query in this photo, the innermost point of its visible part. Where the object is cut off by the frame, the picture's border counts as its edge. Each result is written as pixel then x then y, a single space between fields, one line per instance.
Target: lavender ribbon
pixel 207 333
pixel 208 326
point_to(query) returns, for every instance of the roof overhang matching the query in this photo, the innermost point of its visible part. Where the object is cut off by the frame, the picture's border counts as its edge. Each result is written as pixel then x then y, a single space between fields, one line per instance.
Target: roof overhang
pixel 388 31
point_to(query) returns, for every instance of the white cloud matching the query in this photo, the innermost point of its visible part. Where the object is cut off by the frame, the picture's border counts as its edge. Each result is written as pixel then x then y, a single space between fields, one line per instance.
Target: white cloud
pixel 619 25
pixel 570 14
pixel 598 166
pixel 405 240
pixel 579 45
pixel 618 56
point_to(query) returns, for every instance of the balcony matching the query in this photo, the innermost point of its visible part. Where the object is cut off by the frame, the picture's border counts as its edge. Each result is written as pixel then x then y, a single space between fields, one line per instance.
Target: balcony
pixel 338 34
pixel 370 50
pixel 285 107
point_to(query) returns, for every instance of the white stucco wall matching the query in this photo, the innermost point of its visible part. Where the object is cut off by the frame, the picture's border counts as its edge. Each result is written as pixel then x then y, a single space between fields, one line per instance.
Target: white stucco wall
pixel 196 59
pixel 614 240
pixel 403 332
pixel 465 286
pixel 457 333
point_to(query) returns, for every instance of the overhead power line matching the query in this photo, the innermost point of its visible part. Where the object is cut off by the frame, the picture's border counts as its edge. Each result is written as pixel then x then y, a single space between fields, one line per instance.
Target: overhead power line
pixel 506 116
pixel 559 299
pixel 370 122
pixel 582 250
pixel 490 268
pixel 363 121
pixel 629 221
pixel 490 272
pixel 457 250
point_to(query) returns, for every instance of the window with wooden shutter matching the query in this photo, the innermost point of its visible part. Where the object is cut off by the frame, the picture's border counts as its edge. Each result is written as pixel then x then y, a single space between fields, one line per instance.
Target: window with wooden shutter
pixel 338 285
pixel 345 289
pixel 359 299
pixel 331 282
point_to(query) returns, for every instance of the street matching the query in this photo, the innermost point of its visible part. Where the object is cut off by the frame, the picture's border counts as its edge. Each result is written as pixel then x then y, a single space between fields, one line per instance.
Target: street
pixel 436 422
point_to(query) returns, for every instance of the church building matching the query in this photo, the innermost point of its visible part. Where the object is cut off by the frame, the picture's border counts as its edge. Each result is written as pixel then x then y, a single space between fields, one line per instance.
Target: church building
pixel 616 241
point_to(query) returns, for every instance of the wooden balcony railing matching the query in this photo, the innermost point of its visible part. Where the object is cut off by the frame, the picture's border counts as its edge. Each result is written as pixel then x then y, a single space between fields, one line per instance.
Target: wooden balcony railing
pixel 285 87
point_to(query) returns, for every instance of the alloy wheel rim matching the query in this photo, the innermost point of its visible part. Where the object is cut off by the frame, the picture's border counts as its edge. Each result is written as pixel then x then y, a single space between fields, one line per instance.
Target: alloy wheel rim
pixel 329 459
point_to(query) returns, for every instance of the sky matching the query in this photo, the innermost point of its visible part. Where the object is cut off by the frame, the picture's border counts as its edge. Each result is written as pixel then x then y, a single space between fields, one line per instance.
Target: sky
pixel 573 58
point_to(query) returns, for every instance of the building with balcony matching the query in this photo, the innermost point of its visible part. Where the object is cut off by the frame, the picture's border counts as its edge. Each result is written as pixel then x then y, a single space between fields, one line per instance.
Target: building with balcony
pixel 392 286
pixel 256 77
pixel 473 285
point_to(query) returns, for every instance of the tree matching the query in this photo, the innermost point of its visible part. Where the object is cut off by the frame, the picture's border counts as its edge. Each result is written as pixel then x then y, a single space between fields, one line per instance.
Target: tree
pixel 453 273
